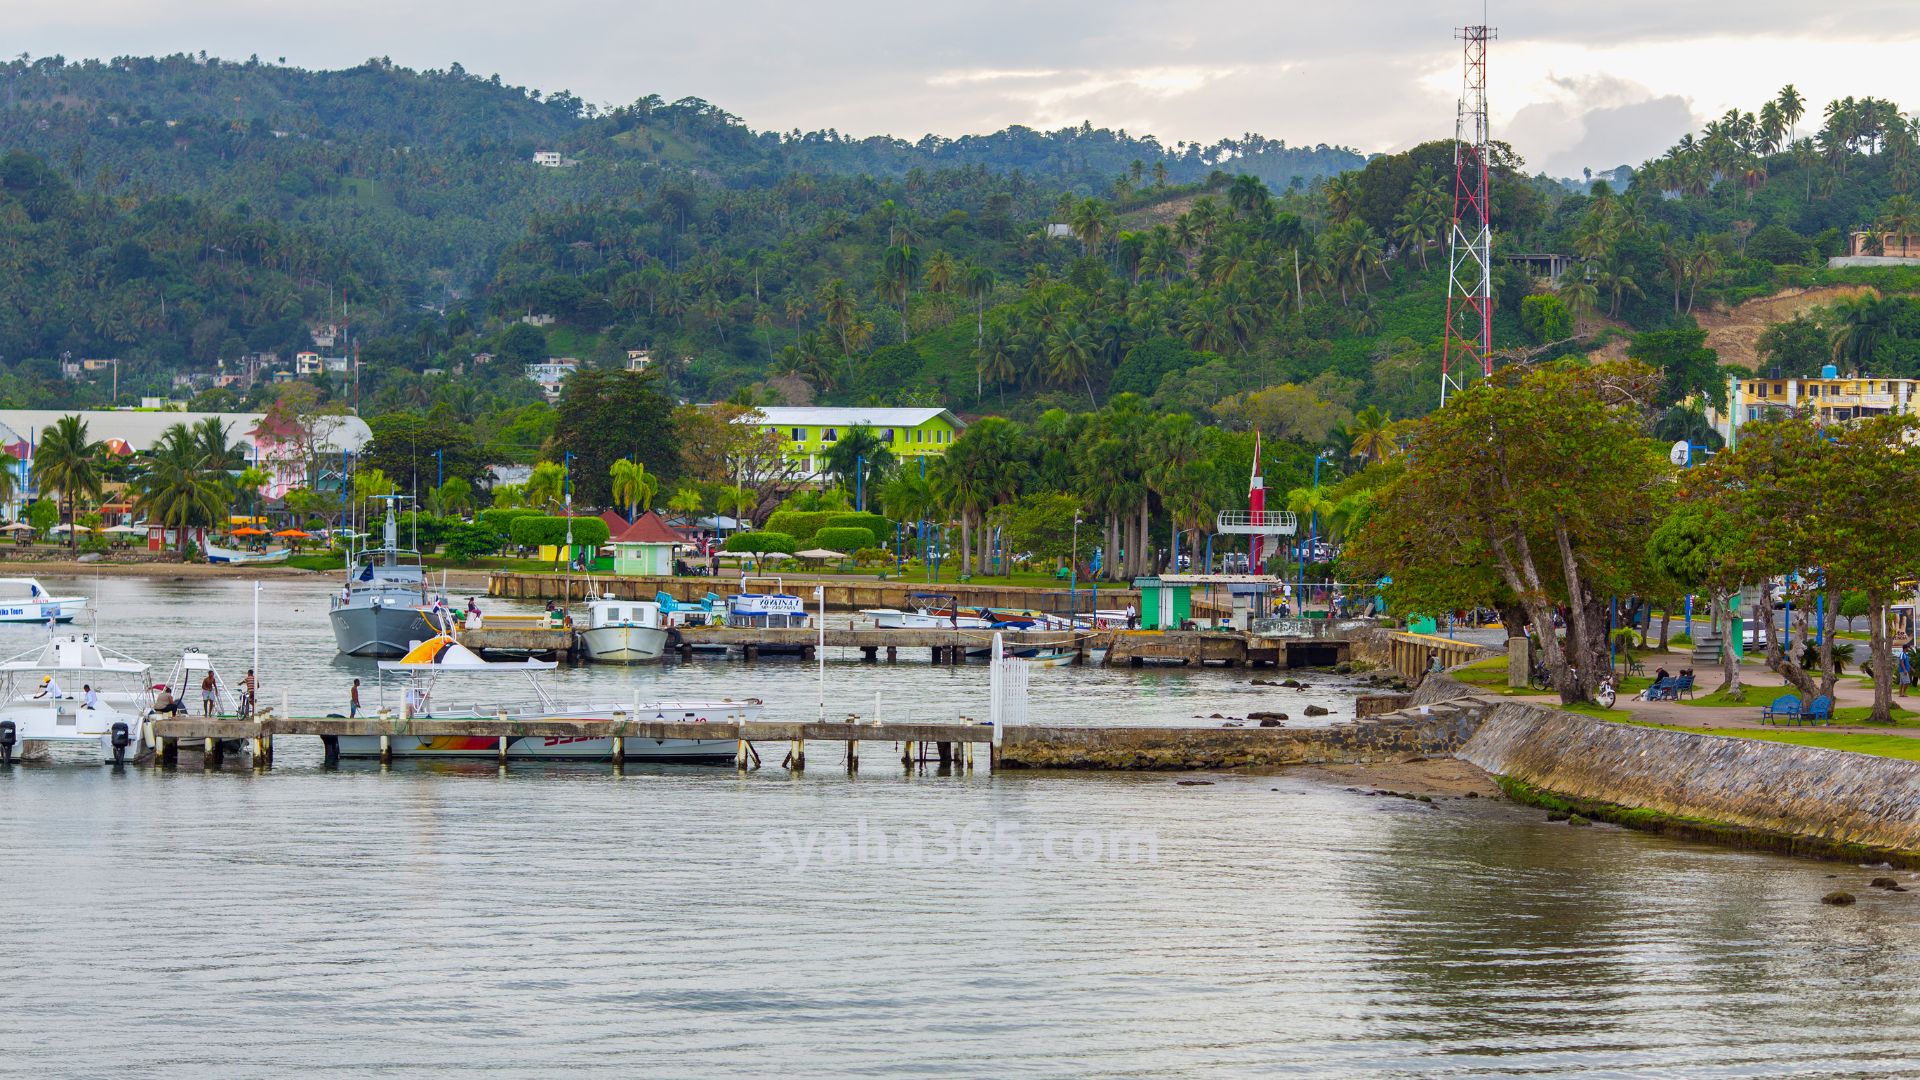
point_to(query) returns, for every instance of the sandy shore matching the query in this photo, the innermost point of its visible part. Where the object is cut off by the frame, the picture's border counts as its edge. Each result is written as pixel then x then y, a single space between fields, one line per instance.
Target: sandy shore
pixel 474 581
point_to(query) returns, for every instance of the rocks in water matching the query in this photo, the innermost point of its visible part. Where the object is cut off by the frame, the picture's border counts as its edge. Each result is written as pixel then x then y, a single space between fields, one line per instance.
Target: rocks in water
pixel 1265 682
pixel 1344 667
pixel 1471 795
pixel 1216 716
pixel 1883 883
pixel 1424 798
pixel 1267 715
pixel 1558 815
pixel 1269 721
pixel 1837 898
pixel 1194 783
pixel 1576 819
pixel 1291 684
pixel 1233 723
pixel 1314 710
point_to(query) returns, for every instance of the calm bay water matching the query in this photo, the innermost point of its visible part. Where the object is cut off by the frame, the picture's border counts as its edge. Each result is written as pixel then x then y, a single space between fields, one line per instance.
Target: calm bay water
pixel 560 919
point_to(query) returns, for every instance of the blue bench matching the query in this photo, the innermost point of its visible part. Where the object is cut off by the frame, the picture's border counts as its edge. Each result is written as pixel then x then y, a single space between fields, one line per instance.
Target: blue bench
pixel 1821 710
pixel 1784 707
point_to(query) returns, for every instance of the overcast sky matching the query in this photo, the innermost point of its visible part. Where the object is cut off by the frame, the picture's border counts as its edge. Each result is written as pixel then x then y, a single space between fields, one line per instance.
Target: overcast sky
pixel 1570 84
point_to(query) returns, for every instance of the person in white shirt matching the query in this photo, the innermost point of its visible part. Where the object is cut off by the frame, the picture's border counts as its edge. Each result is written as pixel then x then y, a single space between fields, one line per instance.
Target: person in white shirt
pixel 49 688
pixel 90 698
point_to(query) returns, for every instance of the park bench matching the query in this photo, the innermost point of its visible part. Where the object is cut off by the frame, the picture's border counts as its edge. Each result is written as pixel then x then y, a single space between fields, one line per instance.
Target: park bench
pixel 1784 707
pixel 1820 711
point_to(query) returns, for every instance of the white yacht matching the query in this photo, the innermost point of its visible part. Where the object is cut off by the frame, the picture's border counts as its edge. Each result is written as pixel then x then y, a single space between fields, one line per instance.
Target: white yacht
pixel 24 599
pixel 424 671
pixel 764 607
pixel 623 631
pixel 44 700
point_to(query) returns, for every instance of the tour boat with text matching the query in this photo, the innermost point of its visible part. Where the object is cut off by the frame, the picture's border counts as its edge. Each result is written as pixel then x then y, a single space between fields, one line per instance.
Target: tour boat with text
pixel 45 701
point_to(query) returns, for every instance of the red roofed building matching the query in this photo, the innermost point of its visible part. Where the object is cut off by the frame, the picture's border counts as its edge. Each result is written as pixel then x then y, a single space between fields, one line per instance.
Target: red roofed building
pixel 646 546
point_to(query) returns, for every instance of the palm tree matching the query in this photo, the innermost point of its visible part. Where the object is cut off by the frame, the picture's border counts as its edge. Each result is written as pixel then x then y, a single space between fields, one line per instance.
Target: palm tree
pixel 899 268
pixel 1900 218
pixel 685 501
pixel 452 497
pixel 67 461
pixel 634 486
pixel 1070 353
pixel 976 282
pixel 547 487
pixel 211 438
pixel 1091 222
pixel 1792 108
pixel 859 452
pixel 9 482
pixel 837 308
pixel 178 490
pixel 249 482
pixel 1371 435
pixel 738 503
pixel 1615 277
pixel 1248 196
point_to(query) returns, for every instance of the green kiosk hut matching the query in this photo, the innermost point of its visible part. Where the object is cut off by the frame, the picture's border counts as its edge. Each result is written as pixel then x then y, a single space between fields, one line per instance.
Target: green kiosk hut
pixel 646 547
pixel 1165 602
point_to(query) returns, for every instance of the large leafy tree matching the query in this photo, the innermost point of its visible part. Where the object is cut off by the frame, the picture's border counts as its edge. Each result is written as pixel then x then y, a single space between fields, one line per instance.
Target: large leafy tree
pixel 1537 487
pixel 180 489
pixel 606 415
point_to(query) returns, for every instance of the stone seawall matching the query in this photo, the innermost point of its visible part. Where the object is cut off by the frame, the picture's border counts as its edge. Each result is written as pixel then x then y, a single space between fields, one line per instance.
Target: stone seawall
pixel 1808 800
pixel 1393 737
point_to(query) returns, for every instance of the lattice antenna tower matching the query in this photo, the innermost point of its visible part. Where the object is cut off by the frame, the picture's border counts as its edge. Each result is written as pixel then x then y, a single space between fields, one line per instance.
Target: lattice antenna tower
pixel 1469 339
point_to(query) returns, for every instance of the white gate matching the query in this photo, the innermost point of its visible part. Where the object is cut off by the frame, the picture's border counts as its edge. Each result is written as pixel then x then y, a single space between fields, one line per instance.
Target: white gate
pixel 1007 684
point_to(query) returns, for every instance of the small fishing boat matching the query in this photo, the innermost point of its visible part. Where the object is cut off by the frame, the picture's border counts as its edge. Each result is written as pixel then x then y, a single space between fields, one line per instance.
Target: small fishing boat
pixel 428 664
pixel 770 608
pixel 623 631
pixel 676 613
pixel 224 556
pixel 43 700
pixel 931 611
pixel 24 599
pixel 381 610
pixel 1048 657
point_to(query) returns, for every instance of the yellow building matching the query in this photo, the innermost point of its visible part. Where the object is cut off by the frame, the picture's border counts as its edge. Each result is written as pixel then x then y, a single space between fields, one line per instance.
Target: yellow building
pixel 1831 398
pixel 809 432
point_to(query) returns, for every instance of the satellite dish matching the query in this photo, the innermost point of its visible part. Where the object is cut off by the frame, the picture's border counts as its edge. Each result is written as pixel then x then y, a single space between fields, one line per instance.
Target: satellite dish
pixel 1680 453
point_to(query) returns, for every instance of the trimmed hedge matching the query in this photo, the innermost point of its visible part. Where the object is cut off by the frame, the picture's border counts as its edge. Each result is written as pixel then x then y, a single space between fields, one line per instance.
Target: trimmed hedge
pixel 799 524
pixel 539 531
pixel 501 518
pixel 844 540
pixel 762 542
pixel 877 524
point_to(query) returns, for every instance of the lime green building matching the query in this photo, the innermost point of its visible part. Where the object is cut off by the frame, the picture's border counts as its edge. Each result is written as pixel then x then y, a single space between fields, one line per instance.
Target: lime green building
pixel 809 431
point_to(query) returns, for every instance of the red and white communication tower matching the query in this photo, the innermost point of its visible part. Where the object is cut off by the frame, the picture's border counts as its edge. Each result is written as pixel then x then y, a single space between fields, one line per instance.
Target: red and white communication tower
pixel 1469 339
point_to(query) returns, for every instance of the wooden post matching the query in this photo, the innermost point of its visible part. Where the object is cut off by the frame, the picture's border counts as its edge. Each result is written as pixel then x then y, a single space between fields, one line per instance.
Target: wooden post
pixel 906 755
pixel 216 754
pixel 893 653
pixel 969 751
pixel 619 751
pixel 799 754
pixel 503 751
pixel 169 752
pixel 751 652
pixel 386 749
pixel 740 755
pixel 869 654
pixel 330 751
pixel 945 751
pixel 853 755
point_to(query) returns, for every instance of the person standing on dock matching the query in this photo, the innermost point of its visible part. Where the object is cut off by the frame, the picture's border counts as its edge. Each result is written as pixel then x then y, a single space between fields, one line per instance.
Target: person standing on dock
pixel 209 693
pixel 353 700
pixel 248 686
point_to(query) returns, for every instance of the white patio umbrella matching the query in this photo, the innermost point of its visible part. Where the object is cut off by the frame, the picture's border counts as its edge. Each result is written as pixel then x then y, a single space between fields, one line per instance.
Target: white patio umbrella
pixel 819 553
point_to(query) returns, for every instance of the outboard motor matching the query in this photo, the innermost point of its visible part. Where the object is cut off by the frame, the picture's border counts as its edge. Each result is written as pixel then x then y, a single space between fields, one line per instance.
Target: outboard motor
pixel 122 736
pixel 9 734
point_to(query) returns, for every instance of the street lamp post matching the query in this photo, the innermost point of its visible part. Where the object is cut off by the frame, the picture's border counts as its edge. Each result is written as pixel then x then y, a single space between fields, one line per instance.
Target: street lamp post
pixel 1313 535
pixel 1073 573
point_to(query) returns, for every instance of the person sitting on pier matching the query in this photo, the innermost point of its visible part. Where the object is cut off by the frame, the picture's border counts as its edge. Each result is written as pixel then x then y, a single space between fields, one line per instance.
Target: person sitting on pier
pixel 166 704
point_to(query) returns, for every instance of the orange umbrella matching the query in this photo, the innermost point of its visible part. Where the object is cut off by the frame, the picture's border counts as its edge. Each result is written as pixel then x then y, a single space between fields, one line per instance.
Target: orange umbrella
pixel 295 534
pixel 248 530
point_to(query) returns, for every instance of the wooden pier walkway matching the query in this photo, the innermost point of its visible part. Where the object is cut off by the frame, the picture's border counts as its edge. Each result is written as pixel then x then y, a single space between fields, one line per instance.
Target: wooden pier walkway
pixel 945 645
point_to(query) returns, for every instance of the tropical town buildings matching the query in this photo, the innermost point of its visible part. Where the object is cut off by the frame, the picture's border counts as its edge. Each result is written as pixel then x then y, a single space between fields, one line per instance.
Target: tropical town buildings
pixel 809 431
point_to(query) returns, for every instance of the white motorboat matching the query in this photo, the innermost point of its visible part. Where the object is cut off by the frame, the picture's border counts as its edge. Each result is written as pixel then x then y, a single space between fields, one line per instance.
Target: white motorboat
pixel 931 611
pixel 623 631
pixel 428 664
pixel 24 599
pixel 45 695
pixel 770 608
pixel 224 556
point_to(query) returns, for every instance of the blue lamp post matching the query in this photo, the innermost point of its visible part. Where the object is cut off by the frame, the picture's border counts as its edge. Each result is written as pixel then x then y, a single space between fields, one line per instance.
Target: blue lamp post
pixel 1313 539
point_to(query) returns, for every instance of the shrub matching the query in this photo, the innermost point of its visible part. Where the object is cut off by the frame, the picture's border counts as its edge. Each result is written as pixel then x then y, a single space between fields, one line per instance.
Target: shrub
pixel 466 543
pixel 501 518
pixel 877 524
pixel 799 524
pixel 762 542
pixel 540 530
pixel 846 540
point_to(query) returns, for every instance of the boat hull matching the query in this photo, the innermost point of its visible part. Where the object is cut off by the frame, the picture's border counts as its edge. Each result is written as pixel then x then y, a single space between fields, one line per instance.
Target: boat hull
pixel 62 608
pixel 542 748
pixel 623 644
pixel 895 619
pixel 38 726
pixel 383 630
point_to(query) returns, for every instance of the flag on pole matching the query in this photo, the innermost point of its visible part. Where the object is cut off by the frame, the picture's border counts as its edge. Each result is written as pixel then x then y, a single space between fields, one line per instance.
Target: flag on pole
pixel 1256 505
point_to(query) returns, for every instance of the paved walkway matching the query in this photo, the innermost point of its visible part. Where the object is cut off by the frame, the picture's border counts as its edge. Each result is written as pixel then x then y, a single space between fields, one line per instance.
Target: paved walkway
pixel 1762 686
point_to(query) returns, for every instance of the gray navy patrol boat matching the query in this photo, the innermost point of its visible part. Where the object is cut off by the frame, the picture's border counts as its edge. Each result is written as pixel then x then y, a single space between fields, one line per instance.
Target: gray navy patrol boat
pixel 383 609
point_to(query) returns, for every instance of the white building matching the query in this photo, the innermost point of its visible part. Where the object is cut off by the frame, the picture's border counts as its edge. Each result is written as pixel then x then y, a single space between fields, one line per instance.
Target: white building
pixel 639 360
pixel 553 159
pixel 552 373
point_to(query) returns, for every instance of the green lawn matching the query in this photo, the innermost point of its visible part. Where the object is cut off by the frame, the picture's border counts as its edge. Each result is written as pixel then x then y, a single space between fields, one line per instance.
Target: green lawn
pixel 1893 746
